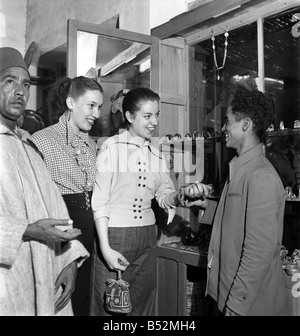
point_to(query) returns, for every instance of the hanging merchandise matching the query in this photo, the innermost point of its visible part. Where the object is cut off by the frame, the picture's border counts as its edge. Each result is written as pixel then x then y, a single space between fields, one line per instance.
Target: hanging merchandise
pixel 226 34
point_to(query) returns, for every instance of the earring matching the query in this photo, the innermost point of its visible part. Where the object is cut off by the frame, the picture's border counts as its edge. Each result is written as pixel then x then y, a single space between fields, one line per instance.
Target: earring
pixel 69 114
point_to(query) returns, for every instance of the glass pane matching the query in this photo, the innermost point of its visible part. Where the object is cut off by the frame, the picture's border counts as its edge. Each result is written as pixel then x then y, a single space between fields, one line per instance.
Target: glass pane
pixel 282 82
pixel 240 68
pixel 282 66
pixel 213 79
pixel 117 63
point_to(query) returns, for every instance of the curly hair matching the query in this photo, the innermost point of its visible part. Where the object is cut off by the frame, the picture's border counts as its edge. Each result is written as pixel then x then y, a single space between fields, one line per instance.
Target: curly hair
pixel 255 105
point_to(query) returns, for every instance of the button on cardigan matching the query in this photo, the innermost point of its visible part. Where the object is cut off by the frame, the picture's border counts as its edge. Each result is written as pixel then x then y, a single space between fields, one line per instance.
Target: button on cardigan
pixel 129 175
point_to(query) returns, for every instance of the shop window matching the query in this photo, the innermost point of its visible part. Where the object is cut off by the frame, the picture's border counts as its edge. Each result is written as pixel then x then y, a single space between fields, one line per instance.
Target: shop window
pixel 214 77
pixel 282 82
pixel 221 73
pixel 282 65
pixel 220 65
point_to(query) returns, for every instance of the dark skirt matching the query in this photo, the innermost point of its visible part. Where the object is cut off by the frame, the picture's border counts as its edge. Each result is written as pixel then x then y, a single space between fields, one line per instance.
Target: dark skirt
pixel 83 219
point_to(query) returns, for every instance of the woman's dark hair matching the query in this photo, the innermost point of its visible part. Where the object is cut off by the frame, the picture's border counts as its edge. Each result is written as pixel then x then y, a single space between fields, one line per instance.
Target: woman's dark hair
pixel 255 105
pixel 134 98
pixel 67 87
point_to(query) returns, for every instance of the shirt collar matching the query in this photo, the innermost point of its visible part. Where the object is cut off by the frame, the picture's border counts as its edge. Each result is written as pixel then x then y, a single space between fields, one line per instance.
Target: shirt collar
pixel 22 135
pixel 137 141
pixel 4 129
pixel 239 161
pixel 19 132
pixel 71 135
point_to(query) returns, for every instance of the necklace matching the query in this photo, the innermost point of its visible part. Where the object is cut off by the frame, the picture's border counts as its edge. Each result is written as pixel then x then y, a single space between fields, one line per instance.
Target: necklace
pixel 83 157
pixel 83 160
pixel 226 34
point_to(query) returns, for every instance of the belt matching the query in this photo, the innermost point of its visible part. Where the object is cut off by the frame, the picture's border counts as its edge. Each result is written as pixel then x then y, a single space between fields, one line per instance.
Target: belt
pixel 80 201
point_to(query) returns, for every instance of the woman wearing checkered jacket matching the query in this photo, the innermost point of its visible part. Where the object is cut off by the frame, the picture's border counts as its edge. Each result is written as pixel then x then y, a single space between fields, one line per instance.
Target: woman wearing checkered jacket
pixel 70 156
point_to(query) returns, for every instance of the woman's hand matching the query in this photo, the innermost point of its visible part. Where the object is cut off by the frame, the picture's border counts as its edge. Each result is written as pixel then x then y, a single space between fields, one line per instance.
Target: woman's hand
pixel 115 260
pixel 197 190
pixel 195 195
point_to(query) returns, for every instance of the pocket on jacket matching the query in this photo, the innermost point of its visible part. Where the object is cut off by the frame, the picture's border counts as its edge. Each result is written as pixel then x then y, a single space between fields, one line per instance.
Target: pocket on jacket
pixel 234 195
pixel 240 296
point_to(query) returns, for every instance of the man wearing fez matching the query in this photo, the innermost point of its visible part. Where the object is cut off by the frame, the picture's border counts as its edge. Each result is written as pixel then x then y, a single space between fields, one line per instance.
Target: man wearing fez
pixel 39 253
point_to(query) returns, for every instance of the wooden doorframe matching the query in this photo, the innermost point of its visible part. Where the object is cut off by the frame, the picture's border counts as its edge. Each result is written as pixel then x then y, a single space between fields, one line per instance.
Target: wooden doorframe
pixel 73 26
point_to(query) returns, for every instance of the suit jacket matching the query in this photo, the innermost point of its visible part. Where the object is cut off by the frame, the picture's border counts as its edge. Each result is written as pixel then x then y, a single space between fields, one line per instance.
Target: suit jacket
pixel 244 264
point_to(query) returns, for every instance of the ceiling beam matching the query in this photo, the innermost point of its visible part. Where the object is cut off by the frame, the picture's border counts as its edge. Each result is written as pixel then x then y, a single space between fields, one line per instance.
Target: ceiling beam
pixel 267 8
pixel 123 57
pixel 196 16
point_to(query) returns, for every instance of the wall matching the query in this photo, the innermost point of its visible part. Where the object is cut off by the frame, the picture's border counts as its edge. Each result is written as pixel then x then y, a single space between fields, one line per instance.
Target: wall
pixel 47 24
pixel 47 20
pixel 13 15
pixel 163 11
pixel 191 4
pixel 13 23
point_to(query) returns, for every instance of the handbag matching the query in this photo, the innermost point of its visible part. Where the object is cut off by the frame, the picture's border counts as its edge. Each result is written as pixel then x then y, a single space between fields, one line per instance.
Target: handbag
pixel 117 295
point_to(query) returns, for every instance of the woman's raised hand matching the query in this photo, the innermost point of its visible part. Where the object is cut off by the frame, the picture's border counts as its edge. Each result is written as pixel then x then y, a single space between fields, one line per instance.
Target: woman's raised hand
pixel 197 190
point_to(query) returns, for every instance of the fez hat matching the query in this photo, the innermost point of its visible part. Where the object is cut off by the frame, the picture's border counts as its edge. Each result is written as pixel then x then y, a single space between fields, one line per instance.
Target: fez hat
pixel 10 57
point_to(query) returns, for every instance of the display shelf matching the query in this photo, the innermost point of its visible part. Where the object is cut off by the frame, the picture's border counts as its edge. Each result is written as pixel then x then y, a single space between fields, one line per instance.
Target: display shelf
pixel 190 255
pixel 288 131
pixel 293 200
pixel 172 284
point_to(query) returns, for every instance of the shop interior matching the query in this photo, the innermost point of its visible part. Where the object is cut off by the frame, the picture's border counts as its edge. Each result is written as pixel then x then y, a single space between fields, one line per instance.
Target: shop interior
pixel 194 61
